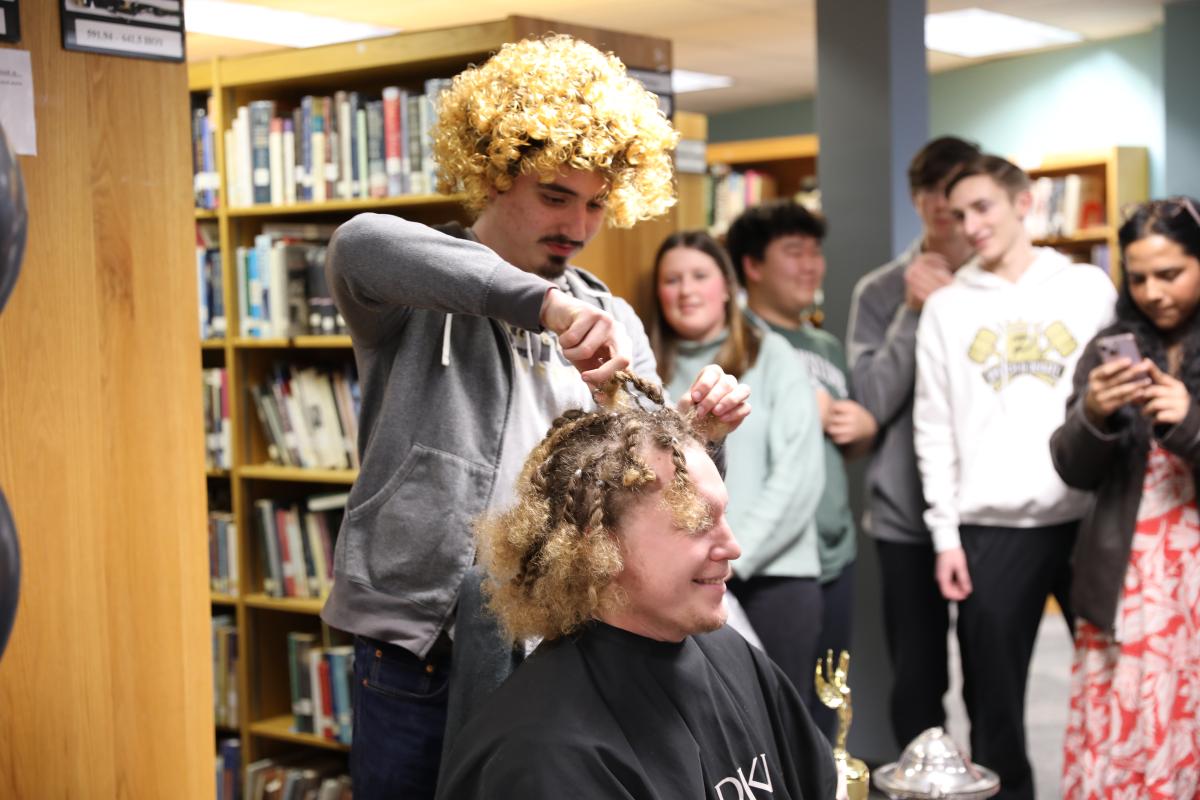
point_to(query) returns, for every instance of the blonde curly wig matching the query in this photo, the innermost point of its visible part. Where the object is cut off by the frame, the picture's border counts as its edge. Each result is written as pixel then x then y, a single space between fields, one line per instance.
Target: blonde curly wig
pixel 542 105
pixel 552 559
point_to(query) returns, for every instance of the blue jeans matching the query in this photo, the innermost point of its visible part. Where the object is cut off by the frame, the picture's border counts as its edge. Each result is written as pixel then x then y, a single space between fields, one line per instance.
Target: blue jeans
pixel 399 721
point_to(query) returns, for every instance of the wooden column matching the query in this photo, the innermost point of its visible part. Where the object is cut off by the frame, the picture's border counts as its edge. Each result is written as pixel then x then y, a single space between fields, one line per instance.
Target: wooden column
pixel 106 686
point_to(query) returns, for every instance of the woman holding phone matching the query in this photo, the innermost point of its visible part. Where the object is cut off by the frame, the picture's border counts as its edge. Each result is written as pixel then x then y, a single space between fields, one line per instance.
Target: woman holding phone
pixel 1132 436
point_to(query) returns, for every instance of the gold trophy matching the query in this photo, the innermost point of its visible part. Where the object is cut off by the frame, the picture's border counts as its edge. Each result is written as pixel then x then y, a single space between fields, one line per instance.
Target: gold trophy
pixel 834 692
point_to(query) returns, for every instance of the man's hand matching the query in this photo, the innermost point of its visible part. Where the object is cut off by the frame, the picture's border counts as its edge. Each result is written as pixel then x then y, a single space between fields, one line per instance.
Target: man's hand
pixel 720 395
pixel 1114 384
pixel 953 578
pixel 848 423
pixel 1167 399
pixel 927 273
pixel 591 339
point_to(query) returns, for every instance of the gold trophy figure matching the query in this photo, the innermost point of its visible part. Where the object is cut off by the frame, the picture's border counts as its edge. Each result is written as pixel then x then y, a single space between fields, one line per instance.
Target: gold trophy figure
pixel 834 692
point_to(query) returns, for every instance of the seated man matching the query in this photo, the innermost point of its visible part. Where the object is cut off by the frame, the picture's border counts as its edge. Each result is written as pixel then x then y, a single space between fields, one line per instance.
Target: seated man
pixel 617 552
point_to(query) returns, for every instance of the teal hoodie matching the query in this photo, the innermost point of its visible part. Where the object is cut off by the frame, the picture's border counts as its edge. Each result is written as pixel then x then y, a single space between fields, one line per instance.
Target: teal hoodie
pixel 775 467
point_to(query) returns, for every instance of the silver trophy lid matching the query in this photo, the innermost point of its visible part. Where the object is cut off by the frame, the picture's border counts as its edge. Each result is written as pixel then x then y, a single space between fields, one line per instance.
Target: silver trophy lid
pixel 932 767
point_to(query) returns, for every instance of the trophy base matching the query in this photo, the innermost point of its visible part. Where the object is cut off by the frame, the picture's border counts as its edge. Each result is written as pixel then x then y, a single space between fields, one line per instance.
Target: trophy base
pixel 857 776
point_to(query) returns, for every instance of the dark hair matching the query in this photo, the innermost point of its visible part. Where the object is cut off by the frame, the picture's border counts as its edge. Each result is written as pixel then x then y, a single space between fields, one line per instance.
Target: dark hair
pixel 740 350
pixel 938 160
pixel 1177 220
pixel 1002 171
pixel 754 230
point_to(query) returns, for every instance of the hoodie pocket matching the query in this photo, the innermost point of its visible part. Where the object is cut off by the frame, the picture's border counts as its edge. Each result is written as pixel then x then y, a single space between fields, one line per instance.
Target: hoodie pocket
pixel 413 537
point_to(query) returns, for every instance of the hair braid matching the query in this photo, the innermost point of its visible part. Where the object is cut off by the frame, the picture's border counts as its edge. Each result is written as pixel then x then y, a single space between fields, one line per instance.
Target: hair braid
pixel 553 558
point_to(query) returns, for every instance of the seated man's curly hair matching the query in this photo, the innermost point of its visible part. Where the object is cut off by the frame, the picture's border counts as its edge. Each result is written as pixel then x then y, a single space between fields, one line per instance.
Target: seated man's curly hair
pixel 541 105
pixel 552 558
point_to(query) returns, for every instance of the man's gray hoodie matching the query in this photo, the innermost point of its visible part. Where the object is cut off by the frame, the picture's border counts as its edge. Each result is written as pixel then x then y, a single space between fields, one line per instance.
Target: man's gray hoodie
pixel 425 309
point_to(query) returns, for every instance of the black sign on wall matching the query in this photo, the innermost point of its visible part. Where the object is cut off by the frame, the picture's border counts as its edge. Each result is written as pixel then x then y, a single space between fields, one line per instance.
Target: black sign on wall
pixel 135 28
pixel 10 21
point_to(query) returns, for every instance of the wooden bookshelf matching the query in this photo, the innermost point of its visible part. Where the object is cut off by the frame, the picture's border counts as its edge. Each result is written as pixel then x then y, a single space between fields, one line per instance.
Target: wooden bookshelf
pixel 1124 174
pixel 788 164
pixel 621 258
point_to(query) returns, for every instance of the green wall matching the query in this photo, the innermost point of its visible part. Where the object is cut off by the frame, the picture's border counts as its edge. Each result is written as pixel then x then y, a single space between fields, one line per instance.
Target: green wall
pixel 1079 98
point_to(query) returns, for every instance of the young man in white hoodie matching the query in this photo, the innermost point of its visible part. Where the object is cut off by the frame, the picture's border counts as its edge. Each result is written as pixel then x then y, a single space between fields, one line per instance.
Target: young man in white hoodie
pixel 995 353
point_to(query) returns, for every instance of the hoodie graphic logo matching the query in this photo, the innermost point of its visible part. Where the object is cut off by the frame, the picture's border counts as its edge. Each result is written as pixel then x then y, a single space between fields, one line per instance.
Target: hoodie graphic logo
pixel 1022 348
pixel 744 785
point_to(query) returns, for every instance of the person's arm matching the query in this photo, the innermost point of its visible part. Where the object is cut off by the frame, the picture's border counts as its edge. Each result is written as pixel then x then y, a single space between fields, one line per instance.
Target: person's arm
pixel 881 344
pixel 938 458
pixel 770 520
pixel 933 436
pixel 1082 453
pixel 379 266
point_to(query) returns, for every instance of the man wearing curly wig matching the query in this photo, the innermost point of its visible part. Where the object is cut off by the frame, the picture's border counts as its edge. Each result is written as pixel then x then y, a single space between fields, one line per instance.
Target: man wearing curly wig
pixel 469 343
pixel 617 552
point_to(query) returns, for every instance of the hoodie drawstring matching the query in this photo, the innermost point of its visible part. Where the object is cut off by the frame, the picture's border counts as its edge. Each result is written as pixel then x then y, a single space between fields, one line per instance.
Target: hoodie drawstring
pixel 446 341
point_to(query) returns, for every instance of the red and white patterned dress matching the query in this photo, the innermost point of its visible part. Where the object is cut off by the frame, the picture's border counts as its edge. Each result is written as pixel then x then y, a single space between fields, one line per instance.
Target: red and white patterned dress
pixel 1133 730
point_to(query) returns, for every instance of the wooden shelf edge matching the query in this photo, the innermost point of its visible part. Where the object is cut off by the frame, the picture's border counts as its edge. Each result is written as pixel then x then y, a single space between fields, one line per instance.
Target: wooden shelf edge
pixel 281 728
pixel 295 342
pixel 223 599
pixel 295 605
pixel 203 213
pixel 212 344
pixel 749 151
pixel 1097 235
pixel 273 472
pixel 358 204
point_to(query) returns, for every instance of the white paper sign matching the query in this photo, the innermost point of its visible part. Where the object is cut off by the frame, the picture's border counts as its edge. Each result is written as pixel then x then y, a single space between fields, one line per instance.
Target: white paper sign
pixel 128 38
pixel 16 101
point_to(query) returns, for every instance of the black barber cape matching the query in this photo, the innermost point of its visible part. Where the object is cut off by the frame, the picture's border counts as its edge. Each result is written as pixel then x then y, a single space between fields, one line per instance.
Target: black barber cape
pixel 609 714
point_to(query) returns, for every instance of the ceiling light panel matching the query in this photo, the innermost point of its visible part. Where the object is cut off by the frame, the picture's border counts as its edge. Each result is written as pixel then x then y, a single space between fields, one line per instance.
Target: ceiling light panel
pixel 974 33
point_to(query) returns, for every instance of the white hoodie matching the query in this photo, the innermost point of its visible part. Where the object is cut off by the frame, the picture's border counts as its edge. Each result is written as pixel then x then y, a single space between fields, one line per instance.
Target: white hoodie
pixel 995 361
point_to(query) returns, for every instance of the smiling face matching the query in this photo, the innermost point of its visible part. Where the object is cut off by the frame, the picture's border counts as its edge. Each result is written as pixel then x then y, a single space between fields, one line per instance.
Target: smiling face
pixel 693 294
pixel 1164 280
pixel 785 282
pixel 991 219
pixel 674 579
pixel 538 226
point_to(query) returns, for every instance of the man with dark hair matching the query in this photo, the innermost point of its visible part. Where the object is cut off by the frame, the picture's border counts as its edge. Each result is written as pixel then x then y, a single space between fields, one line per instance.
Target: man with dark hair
pixel 617 551
pixel 882 340
pixel 776 250
pixel 996 350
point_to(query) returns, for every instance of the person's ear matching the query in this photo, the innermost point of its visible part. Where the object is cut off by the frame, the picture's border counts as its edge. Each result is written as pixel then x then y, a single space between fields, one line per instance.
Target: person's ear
pixel 1023 202
pixel 752 269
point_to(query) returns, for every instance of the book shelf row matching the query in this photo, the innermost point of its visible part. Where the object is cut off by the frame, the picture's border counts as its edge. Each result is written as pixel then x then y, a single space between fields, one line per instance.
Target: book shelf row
pixel 349 145
pixel 294 776
pixel 1077 197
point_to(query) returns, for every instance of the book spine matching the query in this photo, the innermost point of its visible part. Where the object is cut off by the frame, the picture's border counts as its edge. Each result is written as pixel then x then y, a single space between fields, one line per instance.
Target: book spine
pixel 332 153
pixel 376 158
pixel 412 127
pixel 288 156
pixel 261 112
pixel 304 163
pixel 345 156
pixel 275 153
pixel 392 141
pixel 360 153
